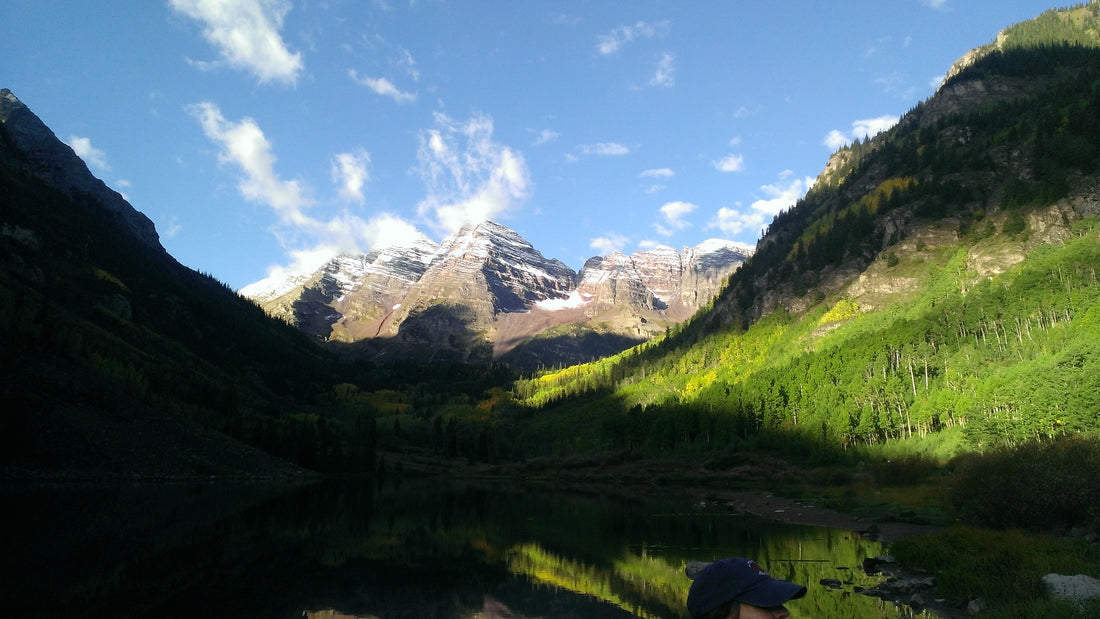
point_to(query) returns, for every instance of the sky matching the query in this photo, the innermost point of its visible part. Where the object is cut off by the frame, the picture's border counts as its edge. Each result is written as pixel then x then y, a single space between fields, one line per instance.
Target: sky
pixel 265 136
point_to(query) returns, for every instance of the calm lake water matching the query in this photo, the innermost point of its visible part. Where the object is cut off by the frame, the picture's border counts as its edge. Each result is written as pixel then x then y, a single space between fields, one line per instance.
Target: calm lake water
pixel 418 549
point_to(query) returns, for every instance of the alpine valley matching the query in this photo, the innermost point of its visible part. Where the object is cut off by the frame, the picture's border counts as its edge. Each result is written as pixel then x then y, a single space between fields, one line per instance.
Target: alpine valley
pixel 933 299
pixel 921 329
pixel 485 294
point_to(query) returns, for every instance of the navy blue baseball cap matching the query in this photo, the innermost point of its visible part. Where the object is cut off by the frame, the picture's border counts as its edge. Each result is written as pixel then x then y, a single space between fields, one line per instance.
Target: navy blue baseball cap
pixel 741 580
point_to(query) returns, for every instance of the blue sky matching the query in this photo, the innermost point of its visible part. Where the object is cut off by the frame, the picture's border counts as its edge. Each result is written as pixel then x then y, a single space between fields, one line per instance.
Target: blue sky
pixel 262 135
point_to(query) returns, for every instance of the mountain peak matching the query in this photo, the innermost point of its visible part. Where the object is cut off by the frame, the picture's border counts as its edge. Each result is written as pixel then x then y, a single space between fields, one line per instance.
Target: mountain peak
pixel 486 284
pixel 1074 25
pixel 55 163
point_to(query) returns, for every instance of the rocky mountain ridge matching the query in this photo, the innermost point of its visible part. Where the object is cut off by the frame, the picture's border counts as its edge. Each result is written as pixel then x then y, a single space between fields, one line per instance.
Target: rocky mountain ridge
pixel 485 290
pixel 54 162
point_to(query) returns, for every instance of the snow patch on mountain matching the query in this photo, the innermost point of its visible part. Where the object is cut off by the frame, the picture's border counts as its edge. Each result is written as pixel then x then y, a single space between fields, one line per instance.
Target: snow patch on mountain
pixel 574 300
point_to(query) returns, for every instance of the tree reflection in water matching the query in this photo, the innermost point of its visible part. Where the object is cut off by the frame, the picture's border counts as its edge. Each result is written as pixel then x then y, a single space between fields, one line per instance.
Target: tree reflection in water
pixel 424 549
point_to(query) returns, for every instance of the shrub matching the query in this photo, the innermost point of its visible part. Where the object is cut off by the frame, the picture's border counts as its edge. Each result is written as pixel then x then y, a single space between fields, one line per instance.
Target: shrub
pixel 1005 567
pixel 905 470
pixel 1038 486
pixel 1014 223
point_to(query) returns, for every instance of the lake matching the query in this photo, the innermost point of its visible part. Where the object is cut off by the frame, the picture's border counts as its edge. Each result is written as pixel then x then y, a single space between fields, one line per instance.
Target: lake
pixel 423 548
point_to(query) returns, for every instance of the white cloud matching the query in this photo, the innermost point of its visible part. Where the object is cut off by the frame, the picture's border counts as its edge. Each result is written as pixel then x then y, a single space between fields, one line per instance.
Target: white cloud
pixel 302 262
pixel 648 244
pixel 406 62
pixel 935 4
pixel 780 196
pixel 665 72
pixel 170 228
pixel 386 230
pixel 309 241
pixel 469 177
pixel 244 144
pixel 657 173
pixel 349 172
pixel 835 139
pixel 609 243
pixel 742 113
pixel 604 149
pixel 730 163
pixel 382 86
pixel 872 126
pixel 654 188
pixel 246 34
pixel 732 221
pixel 611 42
pixel 861 130
pixel 90 154
pixel 674 213
pixel 546 136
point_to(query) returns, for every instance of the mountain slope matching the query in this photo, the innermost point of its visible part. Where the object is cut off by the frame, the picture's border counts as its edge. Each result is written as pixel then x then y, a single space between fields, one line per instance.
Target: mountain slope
pixel 938 283
pixel 116 359
pixel 1011 132
pixel 34 148
pixel 351 296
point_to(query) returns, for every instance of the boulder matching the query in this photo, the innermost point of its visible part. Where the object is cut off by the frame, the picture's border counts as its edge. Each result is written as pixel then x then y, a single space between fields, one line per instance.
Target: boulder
pixel 1079 588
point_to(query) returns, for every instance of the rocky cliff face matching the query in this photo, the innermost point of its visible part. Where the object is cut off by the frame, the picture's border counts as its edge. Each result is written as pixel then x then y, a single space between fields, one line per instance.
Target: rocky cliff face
pixel 485 290
pixel 55 163
pixel 492 269
pixel 662 280
pixel 351 296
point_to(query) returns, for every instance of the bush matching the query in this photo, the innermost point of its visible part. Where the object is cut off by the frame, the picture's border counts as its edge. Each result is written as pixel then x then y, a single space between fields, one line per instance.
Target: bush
pixel 1014 223
pixel 905 470
pixel 1004 567
pixel 1037 486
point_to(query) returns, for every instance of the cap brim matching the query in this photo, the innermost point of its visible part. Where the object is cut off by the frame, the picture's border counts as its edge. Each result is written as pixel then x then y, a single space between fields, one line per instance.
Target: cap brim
pixel 772 592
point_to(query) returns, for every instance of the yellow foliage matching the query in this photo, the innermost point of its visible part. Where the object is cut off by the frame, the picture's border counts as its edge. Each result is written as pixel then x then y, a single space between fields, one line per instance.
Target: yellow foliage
pixel 885 189
pixel 107 277
pixel 843 310
pixel 698 382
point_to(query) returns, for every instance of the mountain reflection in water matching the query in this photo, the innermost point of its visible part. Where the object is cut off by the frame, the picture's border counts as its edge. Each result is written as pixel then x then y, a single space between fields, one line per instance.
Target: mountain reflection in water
pixel 423 549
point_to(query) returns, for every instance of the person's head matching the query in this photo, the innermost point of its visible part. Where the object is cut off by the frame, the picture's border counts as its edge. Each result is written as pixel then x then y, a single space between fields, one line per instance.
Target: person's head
pixel 739 588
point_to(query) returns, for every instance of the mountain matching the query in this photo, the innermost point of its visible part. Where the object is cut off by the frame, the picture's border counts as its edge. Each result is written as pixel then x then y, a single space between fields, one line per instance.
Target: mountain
pixel 936 292
pixel 350 297
pixel 35 148
pixel 937 287
pixel 116 361
pixel 485 293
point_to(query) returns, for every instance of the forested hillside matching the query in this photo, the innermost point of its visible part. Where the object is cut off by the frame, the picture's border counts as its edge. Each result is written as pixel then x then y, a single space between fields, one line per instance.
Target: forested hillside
pixel 119 361
pixel 938 283
pixel 936 289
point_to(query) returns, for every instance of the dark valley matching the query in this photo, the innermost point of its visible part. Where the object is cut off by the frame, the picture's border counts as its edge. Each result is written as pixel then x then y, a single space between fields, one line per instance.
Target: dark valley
pixel 927 318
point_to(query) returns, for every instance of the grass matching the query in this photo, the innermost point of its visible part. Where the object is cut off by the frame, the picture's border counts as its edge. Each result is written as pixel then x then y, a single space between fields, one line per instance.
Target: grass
pixel 1020 513
pixel 1003 567
pixel 1015 507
